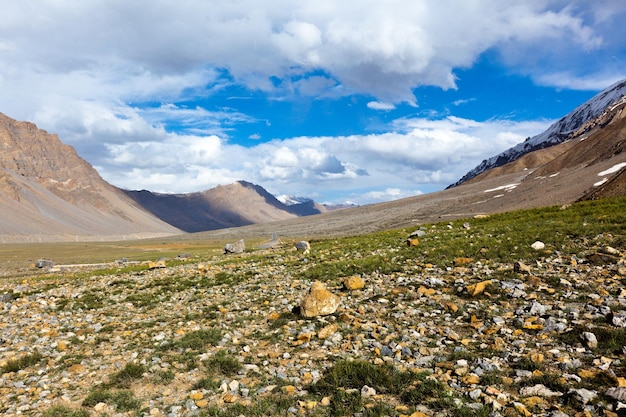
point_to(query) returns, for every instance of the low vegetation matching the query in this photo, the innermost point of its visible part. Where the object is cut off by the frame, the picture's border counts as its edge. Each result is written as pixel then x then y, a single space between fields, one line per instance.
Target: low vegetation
pixel 450 326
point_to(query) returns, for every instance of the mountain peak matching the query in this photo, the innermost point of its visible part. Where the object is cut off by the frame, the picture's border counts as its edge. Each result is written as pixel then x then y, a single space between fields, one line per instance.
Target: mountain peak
pixel 557 133
pixel 50 193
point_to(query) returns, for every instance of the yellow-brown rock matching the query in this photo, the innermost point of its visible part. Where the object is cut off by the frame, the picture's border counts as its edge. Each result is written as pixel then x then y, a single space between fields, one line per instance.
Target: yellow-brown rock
pixel 327 331
pixel 319 301
pixel 462 261
pixel 478 288
pixel 354 282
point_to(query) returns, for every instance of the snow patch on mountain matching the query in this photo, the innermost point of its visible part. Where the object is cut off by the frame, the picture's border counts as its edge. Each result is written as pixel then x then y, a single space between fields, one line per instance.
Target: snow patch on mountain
pixel 290 200
pixel 556 133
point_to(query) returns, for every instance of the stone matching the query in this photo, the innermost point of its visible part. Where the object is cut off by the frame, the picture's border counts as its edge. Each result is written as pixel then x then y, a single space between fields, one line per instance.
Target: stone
pixel 353 282
pixel 237 247
pixel 583 395
pixel 619 319
pixel 617 393
pixel 479 288
pixel 229 398
pixel 539 390
pixel 412 241
pixel 319 301
pixel 196 396
pixel 589 339
pixel 157 264
pixel 303 246
pixel 538 245
pixel 367 391
pixel 327 331
pixel 520 267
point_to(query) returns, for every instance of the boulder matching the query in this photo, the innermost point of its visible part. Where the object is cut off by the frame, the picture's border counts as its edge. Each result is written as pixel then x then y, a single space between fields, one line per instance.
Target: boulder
pixel 237 247
pixel 44 263
pixel 303 246
pixel 319 301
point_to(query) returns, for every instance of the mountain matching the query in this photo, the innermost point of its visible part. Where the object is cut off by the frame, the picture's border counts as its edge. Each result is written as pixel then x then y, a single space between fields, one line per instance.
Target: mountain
pixel 234 205
pixel 589 163
pixel 305 203
pixel 557 133
pixel 47 192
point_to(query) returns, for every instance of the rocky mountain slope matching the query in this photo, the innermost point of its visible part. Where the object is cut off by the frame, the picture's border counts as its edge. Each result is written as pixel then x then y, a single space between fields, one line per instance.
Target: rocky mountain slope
pixel 49 193
pixel 234 205
pixel 559 132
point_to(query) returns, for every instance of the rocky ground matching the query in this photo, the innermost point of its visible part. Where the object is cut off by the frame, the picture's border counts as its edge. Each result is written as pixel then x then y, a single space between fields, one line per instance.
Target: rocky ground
pixel 224 334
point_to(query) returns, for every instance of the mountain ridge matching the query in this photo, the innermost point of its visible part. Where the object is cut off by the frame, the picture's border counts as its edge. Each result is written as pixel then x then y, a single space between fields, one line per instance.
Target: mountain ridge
pixel 557 133
pixel 50 193
pixel 233 205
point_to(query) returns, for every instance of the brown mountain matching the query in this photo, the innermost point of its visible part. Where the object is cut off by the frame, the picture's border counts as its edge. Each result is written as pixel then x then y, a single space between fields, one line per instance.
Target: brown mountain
pixel 590 163
pixel 234 205
pixel 49 193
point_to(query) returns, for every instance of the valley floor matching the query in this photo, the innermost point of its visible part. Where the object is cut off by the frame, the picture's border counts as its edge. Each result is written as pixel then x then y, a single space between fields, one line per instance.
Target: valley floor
pixel 222 336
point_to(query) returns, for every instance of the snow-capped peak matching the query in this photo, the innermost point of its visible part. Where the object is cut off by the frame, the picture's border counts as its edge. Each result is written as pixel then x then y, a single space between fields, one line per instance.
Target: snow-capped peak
pixel 290 200
pixel 556 133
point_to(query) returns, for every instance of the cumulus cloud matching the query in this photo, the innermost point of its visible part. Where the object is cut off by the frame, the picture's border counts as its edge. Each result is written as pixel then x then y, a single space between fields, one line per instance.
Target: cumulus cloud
pixel 109 78
pixel 420 156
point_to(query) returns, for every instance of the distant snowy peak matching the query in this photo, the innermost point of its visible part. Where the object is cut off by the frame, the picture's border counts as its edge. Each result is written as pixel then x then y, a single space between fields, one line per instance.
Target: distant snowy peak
pixel 290 200
pixel 556 133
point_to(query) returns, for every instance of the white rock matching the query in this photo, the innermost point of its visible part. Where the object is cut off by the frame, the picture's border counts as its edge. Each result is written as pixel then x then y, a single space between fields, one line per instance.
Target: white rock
pixel 367 391
pixel 538 245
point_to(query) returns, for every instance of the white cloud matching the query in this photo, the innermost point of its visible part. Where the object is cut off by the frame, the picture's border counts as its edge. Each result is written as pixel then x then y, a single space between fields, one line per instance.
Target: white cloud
pixel 421 156
pixel 117 48
pixel 105 75
pixel 379 105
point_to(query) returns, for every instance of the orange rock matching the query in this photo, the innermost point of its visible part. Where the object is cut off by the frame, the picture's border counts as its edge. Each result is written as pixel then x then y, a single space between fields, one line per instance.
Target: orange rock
pixel 426 291
pixel 229 398
pixel 354 282
pixel 412 242
pixel 327 331
pixel 289 390
pixel 196 395
pixel 319 301
pixel 462 261
pixel 479 288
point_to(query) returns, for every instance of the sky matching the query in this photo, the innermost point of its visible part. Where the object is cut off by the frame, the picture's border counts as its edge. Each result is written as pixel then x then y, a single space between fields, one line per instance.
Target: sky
pixel 338 101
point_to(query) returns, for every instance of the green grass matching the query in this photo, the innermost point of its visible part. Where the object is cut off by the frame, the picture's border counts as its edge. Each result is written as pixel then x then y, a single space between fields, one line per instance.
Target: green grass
pixel 413 389
pixel 123 400
pixel 128 374
pixel 198 339
pixel 26 361
pixel 63 411
pixel 222 363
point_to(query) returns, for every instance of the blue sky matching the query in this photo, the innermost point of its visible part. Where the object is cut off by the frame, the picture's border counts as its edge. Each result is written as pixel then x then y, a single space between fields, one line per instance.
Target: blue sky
pixel 337 101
